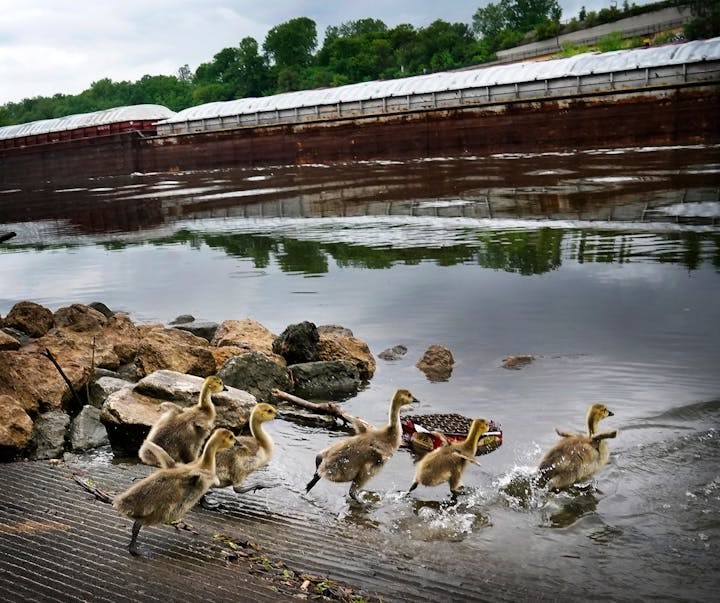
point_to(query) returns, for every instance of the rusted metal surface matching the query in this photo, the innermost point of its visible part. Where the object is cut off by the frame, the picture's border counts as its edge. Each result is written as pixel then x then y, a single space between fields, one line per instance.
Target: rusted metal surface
pixel 673 116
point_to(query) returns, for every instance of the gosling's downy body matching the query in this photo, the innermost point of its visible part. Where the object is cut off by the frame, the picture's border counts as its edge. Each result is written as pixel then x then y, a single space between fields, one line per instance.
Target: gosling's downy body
pixel 167 494
pixel 181 431
pixel 577 456
pixel 250 453
pixel 448 463
pixel 358 458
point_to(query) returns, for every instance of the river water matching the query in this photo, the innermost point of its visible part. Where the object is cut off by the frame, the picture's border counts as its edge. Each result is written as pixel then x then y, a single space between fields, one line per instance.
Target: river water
pixel 604 266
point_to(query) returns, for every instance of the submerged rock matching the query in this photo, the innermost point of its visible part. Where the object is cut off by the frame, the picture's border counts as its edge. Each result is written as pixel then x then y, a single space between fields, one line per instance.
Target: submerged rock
pixel 437 363
pixel 339 343
pixel 394 353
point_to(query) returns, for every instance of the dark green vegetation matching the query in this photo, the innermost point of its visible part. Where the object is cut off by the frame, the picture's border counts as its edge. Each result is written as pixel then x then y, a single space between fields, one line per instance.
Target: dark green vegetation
pixel 289 58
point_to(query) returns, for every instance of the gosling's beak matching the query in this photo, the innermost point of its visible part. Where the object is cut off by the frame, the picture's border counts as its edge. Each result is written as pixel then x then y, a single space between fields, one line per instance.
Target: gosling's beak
pixel 225 388
pixel 414 401
pixel 611 413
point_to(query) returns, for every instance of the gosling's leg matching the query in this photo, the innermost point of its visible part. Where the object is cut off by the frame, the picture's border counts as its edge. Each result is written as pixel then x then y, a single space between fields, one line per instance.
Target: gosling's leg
pixel 414 485
pixel 133 541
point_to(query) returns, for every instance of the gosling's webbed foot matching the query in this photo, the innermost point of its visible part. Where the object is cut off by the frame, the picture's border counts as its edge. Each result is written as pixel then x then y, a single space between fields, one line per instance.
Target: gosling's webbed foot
pixel 210 503
pixel 252 488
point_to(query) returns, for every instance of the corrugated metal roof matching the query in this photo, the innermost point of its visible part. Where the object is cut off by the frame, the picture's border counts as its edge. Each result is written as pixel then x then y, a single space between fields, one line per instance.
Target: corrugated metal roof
pixel 582 64
pixel 96 118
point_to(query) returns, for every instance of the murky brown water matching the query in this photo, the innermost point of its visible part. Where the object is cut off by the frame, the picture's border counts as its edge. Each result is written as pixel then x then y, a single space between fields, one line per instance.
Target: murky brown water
pixel 604 266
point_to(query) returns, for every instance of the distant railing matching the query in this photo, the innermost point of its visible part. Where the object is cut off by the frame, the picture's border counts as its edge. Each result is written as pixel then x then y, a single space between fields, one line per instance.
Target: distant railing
pixel 639 79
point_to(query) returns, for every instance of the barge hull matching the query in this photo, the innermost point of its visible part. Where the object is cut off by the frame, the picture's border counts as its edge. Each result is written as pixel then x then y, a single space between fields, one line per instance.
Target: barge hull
pixel 679 115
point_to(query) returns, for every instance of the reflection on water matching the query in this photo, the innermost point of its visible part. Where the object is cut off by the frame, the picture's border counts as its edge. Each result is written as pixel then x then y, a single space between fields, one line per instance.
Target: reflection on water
pixel 603 266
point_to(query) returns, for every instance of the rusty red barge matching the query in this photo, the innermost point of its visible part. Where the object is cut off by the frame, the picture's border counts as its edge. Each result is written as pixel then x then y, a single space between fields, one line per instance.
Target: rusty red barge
pixel 659 96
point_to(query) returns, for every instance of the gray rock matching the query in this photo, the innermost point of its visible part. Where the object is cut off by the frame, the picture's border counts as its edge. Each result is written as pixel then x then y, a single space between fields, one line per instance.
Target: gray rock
pixel 49 431
pixel 101 388
pixel 129 413
pixel 254 372
pixel 298 343
pixel 182 320
pixel 394 353
pixel 86 430
pixel 325 380
pixel 206 330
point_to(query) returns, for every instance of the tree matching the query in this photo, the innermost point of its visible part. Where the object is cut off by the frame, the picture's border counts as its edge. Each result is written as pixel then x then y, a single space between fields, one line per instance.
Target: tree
pixel 507 22
pixel 291 44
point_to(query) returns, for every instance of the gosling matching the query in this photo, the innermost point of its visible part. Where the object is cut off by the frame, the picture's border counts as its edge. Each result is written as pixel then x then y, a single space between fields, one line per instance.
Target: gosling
pixel 167 494
pixel 448 463
pixel 577 456
pixel 359 458
pixel 250 453
pixel 182 431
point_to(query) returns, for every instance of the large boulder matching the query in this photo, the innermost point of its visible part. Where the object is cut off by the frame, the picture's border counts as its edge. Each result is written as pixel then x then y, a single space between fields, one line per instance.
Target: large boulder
pixel 16 428
pixel 326 379
pixel 298 343
pixel 247 335
pixel 87 431
pixel 30 318
pixel 49 432
pixel 129 412
pixel 339 343
pixel 33 382
pixel 254 372
pixel 163 348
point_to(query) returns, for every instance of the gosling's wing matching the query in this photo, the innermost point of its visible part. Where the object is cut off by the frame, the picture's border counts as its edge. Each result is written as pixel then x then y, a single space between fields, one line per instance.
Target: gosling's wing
pixel 164 460
pixel 604 435
pixel 564 433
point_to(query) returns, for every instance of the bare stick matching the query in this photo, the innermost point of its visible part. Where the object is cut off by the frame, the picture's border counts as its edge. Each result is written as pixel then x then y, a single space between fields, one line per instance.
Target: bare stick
pixel 48 353
pixel 87 484
pixel 325 408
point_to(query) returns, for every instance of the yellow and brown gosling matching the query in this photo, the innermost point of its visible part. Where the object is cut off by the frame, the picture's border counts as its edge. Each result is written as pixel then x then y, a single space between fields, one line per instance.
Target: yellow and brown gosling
pixel 250 453
pixel 359 458
pixel 167 494
pixel 576 456
pixel 448 463
pixel 181 432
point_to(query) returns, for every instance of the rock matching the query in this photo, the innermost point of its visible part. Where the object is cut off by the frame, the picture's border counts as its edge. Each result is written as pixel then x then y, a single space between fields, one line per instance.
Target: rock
pixel 206 330
pixel 30 318
pixel 298 343
pixel 168 348
pixel 254 372
pixel 49 433
pixel 516 362
pixel 338 343
pixel 23 338
pixel 102 308
pixel 183 319
pixel 129 412
pixel 437 363
pixel 31 379
pixel 247 334
pixel 16 428
pixel 8 342
pixel 86 430
pixel 79 318
pixel 102 387
pixel 394 353
pixel 325 380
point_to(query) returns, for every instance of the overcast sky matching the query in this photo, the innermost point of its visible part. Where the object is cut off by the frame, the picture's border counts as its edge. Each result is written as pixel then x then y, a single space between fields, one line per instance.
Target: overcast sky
pixel 63 46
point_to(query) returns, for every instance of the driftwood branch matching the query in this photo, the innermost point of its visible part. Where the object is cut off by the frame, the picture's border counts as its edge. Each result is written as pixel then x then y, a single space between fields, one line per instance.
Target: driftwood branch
pixel 6 236
pixel 96 492
pixel 325 408
pixel 48 353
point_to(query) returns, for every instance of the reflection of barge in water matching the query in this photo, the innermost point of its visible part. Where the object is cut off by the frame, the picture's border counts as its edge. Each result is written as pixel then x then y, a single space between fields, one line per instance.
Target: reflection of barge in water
pixel 658 96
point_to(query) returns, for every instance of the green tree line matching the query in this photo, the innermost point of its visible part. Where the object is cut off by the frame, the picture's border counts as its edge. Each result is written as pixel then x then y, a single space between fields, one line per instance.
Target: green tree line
pixel 367 49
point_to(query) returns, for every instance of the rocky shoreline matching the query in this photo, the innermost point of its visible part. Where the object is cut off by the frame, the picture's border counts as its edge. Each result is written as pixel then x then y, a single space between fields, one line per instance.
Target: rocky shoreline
pixel 85 376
